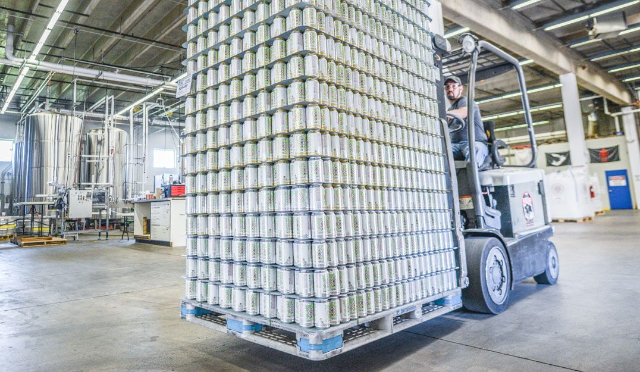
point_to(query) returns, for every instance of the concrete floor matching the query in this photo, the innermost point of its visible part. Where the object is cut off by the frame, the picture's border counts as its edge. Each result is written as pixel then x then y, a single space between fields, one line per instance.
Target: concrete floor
pixel 115 306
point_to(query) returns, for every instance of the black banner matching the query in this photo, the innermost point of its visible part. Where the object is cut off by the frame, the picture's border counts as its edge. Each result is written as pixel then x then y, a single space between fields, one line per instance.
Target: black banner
pixel 604 154
pixel 558 159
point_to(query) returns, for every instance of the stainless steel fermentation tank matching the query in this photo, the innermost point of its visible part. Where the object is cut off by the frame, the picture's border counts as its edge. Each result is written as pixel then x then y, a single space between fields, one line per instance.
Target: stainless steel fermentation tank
pixel 97 148
pixel 48 150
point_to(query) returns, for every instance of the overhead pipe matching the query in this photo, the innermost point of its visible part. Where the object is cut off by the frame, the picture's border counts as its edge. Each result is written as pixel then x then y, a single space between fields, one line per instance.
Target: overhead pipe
pixel 12 60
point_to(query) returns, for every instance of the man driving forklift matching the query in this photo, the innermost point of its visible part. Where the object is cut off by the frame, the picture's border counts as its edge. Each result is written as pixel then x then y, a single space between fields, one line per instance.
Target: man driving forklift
pixel 459 142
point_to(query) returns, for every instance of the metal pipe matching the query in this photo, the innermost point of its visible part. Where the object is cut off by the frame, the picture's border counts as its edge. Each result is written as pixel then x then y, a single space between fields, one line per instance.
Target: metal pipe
pixel 478 203
pixel 7 170
pixel 524 97
pixel 12 60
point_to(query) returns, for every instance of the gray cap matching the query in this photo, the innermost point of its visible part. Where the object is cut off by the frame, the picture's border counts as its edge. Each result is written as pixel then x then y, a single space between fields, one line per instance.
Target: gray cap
pixel 453 78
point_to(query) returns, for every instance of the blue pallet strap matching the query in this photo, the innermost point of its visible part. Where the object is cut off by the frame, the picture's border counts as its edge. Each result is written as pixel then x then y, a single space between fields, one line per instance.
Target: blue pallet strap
pixel 326 345
pixel 237 326
pixel 449 300
pixel 198 311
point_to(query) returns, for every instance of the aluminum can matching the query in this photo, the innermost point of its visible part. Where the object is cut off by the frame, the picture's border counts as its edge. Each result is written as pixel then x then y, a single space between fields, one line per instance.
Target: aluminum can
pixel 265 175
pixel 281 173
pixel 226 296
pixel 301 226
pixel 268 305
pixel 213 293
pixel 226 272
pixel 284 225
pixel 266 199
pixel 298 144
pixel 343 301
pixel 305 312
pixel 201 246
pixel 279 122
pixel 322 318
pixel 226 248
pixel 251 201
pixel 334 311
pixel 252 302
pixel 304 283
pixel 286 280
pixel 371 304
pixel 192 246
pixel 286 309
pixel 268 251
pixel 334 281
pixel 267 225
pixel 318 225
pixel 353 306
pixel 284 252
pixel 190 288
pixel 192 267
pixel 317 201
pixel 268 278
pixel 303 253
pixel 300 198
pixel 316 170
pixel 296 118
pixel 299 171
pixel 361 301
pixel 238 298
pixel 239 248
pixel 282 199
pixel 264 125
pixel 238 226
pixel 253 250
pixel 314 143
pixel 281 147
pixel 321 283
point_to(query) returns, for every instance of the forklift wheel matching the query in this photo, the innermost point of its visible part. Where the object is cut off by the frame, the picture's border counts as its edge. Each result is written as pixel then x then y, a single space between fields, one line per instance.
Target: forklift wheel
pixel 489 276
pixel 550 274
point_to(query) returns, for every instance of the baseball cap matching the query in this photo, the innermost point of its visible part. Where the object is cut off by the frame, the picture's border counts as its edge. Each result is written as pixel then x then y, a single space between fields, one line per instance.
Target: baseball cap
pixel 454 79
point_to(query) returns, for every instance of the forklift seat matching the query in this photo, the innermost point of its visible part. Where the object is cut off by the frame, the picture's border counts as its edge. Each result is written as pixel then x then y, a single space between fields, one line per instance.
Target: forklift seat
pixel 493 160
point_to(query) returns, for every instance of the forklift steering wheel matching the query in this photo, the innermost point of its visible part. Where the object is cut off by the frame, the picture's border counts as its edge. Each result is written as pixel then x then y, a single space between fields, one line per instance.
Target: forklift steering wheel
pixel 456 123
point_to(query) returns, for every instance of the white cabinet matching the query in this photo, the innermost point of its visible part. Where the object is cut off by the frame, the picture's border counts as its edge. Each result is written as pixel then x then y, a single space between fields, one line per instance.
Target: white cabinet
pixel 166 218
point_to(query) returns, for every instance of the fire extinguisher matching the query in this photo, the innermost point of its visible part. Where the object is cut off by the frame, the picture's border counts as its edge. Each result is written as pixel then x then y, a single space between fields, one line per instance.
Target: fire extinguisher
pixel 593 193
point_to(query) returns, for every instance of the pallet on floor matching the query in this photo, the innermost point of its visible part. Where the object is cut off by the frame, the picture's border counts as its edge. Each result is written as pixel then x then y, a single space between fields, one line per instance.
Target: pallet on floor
pixel 600 213
pixel 577 220
pixel 38 241
pixel 319 344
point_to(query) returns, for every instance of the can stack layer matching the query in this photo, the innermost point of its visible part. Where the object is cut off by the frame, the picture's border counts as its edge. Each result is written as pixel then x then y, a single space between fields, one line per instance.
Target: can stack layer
pixel 317 190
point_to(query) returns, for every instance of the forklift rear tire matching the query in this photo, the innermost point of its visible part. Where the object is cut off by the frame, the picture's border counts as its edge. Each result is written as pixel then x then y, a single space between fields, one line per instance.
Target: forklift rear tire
pixel 552 271
pixel 489 276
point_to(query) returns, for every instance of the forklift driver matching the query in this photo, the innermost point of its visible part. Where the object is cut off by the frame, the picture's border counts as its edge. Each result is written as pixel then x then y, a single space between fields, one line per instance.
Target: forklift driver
pixel 460 145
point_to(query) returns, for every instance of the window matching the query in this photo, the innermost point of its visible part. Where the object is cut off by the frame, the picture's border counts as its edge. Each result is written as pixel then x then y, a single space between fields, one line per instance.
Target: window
pixel 164 158
pixel 6 149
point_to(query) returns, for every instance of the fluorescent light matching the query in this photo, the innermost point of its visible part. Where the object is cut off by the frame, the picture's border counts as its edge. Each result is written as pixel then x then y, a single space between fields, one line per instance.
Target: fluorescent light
pixel 43 39
pixel 613 9
pixel 591 15
pixel 629 30
pixel 615 54
pixel 622 68
pixel 150 95
pixel 523 4
pixel 458 31
pixel 583 43
pixel 518 94
pixel 526 62
pixel 566 23
pixel 517 126
pixel 520 112
pixel 14 89
pixel 632 78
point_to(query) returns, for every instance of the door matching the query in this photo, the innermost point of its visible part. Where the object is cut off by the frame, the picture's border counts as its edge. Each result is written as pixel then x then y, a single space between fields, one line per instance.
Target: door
pixel 618 186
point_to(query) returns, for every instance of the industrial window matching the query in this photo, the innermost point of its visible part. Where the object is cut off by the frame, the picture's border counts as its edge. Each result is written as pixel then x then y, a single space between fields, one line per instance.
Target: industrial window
pixel 164 158
pixel 6 149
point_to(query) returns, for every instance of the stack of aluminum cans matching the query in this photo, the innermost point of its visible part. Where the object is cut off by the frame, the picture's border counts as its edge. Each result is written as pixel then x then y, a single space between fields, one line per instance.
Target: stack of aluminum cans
pixel 317 191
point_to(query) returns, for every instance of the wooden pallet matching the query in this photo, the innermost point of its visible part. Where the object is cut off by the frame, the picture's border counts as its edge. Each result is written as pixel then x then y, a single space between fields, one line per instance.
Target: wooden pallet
pixel 38 241
pixel 601 213
pixel 579 220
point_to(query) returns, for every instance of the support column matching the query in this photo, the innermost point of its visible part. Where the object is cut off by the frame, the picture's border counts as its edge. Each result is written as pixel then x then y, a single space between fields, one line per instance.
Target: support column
pixel 573 120
pixel 633 147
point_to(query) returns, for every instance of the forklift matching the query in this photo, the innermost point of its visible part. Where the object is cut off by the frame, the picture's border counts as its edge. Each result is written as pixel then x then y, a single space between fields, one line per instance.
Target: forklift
pixel 503 210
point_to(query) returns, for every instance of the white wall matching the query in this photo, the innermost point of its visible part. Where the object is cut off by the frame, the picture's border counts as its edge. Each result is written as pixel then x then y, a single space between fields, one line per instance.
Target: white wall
pixel 594 168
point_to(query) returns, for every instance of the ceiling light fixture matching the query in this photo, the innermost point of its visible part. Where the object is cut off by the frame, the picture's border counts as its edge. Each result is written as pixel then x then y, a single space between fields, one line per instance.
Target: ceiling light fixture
pixel 150 95
pixel 586 15
pixel 458 31
pixel 43 39
pixel 521 4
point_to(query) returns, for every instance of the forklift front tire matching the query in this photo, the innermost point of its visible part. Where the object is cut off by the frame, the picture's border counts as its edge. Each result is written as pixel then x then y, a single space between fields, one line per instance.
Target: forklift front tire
pixel 489 276
pixel 552 271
